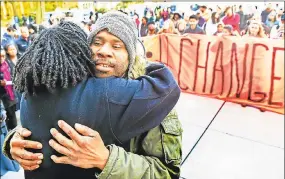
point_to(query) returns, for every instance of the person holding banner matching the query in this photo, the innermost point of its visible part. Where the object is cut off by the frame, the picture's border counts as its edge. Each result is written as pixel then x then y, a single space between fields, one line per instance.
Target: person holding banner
pixel 151 29
pixel 255 29
pixel 228 31
pixel 155 153
pixel 220 29
pixel 194 28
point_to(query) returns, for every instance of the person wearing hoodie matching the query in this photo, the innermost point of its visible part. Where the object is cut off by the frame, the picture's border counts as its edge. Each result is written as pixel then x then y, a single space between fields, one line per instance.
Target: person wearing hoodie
pixel 8 37
pixel 155 153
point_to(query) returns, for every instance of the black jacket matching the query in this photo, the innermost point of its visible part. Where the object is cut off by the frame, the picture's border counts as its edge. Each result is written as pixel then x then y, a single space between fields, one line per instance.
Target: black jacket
pixel 118 109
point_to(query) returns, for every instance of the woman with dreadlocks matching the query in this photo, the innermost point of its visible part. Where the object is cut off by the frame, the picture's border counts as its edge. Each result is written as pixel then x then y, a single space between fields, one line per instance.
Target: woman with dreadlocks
pixel 55 75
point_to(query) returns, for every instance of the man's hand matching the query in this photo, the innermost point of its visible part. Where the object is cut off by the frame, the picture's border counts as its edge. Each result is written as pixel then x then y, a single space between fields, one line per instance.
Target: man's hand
pixel 28 160
pixel 2 82
pixel 85 151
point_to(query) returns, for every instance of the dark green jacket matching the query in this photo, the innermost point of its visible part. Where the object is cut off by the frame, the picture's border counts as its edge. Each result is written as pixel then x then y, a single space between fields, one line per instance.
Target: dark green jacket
pixel 157 155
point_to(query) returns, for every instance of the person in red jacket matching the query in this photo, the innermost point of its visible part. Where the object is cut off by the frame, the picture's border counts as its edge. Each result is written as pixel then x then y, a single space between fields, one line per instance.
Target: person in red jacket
pixel 232 19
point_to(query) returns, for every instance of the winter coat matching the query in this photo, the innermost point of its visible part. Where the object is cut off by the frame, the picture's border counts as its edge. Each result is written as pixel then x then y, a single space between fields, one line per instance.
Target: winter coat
pixel 156 153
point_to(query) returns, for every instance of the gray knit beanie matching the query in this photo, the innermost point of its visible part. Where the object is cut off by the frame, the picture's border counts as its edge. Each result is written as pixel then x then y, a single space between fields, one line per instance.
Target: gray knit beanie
pixel 120 25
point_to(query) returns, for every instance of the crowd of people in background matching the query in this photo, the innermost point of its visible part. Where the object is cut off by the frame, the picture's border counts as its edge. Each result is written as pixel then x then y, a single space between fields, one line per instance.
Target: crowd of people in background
pixel 208 21
pixel 200 19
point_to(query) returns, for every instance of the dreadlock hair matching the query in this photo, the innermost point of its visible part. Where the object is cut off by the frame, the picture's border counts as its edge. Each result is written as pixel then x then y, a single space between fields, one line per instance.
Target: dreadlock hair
pixel 59 57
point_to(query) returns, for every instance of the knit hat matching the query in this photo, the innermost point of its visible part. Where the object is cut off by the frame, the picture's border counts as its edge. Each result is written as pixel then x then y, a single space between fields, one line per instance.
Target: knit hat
pixel 121 26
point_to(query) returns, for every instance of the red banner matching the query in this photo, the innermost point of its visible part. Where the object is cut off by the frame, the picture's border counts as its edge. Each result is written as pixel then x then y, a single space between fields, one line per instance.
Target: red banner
pixel 249 71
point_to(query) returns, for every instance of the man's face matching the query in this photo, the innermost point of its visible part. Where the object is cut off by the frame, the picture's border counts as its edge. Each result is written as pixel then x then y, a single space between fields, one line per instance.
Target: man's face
pixel 110 55
pixel 25 32
pixel 3 56
pixel 193 22
pixel 143 21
